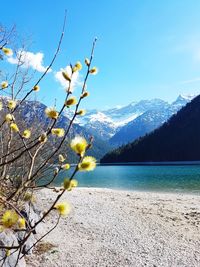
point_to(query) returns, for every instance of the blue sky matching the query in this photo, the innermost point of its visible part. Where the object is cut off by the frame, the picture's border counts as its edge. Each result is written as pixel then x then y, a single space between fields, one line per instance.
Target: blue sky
pixel 146 49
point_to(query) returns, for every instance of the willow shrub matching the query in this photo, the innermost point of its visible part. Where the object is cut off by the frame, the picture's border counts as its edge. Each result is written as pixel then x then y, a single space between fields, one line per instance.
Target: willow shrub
pixel 25 151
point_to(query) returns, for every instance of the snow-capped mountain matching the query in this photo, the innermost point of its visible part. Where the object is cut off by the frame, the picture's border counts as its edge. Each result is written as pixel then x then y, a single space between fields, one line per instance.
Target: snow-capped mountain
pixel 96 122
pixel 107 122
pixel 123 115
pixel 148 121
pixel 181 101
pixel 104 124
pixel 115 124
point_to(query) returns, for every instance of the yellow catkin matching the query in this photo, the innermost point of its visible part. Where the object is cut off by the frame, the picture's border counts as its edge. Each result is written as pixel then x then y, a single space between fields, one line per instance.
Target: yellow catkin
pixel 4 84
pixel 66 76
pixel 71 101
pixel 79 145
pixel 63 208
pixel 69 184
pixel 94 70
pixel 9 218
pixel 87 61
pixel 65 166
pixel 7 51
pixel 51 113
pixel 81 112
pixel 36 88
pixel 60 132
pixel 78 65
pixel 26 134
pixel 11 104
pixel 14 127
pixel 22 223
pixel 88 164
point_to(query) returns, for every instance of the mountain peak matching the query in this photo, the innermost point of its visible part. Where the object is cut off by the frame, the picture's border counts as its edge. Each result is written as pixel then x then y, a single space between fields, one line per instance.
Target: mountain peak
pixel 188 97
pixel 100 116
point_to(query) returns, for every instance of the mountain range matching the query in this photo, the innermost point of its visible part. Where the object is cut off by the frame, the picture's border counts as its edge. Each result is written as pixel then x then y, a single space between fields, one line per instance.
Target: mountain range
pixel 110 128
pixel 31 114
pixel 178 139
pixel 124 124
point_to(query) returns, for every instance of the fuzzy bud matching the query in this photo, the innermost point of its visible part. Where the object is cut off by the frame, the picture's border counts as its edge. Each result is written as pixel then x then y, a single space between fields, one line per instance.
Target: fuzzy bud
pixel 85 94
pixel 87 61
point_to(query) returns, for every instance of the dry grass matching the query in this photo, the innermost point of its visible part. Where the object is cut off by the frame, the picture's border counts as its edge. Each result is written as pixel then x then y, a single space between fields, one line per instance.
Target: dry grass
pixel 44 247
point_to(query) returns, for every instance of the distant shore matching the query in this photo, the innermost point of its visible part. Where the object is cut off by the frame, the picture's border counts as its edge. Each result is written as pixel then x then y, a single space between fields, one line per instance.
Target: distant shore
pixel 122 228
pixel 152 163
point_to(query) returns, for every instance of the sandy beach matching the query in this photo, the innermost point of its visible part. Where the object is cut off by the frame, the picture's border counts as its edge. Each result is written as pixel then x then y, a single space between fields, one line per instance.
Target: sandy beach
pixel 121 228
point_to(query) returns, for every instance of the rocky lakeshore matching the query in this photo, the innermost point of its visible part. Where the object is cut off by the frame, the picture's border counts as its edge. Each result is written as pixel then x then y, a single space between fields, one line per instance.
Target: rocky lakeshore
pixel 121 228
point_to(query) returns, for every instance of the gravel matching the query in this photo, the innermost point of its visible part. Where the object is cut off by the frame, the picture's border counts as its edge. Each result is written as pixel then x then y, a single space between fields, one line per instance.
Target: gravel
pixel 122 228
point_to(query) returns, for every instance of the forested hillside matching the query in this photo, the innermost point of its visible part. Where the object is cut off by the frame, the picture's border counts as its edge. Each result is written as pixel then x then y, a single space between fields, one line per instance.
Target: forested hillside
pixel 176 140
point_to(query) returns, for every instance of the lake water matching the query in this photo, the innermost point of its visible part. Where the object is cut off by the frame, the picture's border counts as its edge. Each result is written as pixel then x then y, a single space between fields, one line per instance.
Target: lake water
pixel 184 178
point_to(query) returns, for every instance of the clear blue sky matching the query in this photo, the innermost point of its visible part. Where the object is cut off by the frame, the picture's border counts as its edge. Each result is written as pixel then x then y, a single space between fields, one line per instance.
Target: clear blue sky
pixel 145 49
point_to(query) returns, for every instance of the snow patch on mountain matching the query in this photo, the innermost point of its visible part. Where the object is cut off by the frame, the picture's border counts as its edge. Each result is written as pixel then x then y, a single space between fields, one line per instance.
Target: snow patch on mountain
pixel 125 120
pixel 100 116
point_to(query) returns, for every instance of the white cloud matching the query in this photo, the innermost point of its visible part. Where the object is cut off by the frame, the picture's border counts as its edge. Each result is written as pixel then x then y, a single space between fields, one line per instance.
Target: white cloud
pixel 75 80
pixel 29 60
pixel 190 81
pixel 189 45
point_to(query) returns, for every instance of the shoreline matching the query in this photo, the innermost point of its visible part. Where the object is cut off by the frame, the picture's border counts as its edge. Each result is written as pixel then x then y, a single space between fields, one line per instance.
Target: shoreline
pixel 111 228
pixel 179 192
pixel 151 163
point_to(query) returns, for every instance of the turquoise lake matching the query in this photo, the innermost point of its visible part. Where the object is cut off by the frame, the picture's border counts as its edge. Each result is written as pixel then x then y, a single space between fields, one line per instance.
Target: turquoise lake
pixel 184 178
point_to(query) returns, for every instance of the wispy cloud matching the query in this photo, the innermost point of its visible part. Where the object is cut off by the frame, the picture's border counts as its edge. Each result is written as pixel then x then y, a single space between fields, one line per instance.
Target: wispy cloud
pixel 190 45
pixel 197 79
pixel 29 60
